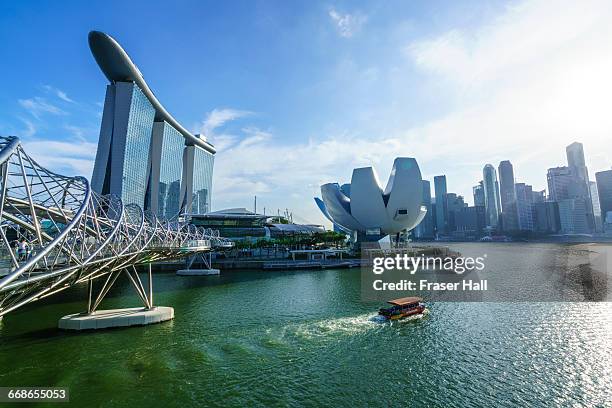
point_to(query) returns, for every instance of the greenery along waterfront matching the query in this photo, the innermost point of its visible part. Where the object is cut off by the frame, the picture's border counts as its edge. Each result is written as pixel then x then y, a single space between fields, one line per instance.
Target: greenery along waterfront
pixel 255 338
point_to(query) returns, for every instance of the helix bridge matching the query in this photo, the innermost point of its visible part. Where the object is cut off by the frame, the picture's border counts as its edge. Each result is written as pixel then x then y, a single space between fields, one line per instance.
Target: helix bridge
pixel 55 232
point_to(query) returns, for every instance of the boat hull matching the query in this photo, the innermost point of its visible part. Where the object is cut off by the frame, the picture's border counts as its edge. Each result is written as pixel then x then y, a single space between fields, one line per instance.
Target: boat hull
pixel 404 314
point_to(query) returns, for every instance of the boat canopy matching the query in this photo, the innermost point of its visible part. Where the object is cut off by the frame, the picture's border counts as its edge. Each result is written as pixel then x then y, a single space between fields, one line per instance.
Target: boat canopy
pixel 405 301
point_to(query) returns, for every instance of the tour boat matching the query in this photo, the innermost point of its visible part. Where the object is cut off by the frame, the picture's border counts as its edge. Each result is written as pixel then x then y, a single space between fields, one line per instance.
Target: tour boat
pixel 402 308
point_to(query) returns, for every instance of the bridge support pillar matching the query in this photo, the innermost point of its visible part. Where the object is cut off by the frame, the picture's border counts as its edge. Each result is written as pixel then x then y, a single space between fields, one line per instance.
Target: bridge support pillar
pixel 205 259
pixel 103 319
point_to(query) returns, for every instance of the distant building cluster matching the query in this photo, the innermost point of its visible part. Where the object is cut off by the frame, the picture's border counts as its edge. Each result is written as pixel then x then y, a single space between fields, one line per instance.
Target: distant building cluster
pixel 573 204
pixel 144 155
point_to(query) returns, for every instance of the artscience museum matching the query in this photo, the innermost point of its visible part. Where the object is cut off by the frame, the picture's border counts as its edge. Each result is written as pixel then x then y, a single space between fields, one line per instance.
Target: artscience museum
pixel 370 213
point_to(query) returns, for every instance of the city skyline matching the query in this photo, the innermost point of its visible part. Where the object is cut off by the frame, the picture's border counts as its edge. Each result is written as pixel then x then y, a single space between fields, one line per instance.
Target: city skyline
pixel 572 203
pixel 373 83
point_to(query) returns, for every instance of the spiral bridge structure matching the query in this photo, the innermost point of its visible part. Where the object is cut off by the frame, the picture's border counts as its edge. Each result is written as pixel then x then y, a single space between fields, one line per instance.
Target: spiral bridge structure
pixel 56 232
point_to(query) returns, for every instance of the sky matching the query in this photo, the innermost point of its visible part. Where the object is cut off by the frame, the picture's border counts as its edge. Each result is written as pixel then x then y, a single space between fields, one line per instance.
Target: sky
pixel 297 94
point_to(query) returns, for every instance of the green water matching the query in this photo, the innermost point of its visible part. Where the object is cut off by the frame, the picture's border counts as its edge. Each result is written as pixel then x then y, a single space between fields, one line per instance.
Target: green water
pixel 306 339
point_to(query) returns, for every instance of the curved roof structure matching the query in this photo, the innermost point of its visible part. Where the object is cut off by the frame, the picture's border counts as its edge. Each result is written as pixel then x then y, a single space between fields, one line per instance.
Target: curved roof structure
pixel 118 67
pixel 370 209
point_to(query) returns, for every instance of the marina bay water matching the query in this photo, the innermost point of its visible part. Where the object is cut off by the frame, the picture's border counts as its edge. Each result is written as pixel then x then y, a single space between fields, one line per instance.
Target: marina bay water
pixel 286 338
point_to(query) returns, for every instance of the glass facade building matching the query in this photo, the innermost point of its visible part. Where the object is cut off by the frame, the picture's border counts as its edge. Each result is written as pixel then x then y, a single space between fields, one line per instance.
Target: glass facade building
pixel 604 189
pixel 509 206
pixel 441 219
pixel 425 230
pixel 202 181
pixel 491 194
pixel 138 140
pixel 166 168
pixel 121 165
pixel 197 176
pixel 524 206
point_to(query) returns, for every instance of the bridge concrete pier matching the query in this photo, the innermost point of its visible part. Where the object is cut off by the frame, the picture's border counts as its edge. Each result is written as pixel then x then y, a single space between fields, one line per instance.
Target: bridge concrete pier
pixel 198 272
pixel 105 319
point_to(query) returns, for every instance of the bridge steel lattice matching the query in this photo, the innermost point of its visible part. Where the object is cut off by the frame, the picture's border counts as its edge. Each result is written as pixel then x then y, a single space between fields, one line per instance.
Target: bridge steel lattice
pixel 73 235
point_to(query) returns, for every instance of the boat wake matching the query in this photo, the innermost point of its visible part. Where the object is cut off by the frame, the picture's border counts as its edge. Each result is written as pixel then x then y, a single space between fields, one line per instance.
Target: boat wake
pixel 352 325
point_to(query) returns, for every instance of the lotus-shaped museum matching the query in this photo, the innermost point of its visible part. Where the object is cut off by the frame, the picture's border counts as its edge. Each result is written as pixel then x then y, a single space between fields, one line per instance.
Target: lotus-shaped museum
pixel 362 207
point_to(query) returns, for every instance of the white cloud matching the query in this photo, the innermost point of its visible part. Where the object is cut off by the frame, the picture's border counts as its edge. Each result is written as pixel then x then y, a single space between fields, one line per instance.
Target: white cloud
pixel 347 24
pixel 30 129
pixel 59 93
pixel 219 117
pixel 523 86
pixel 38 105
pixel 81 132
pixel 69 158
pixel 289 175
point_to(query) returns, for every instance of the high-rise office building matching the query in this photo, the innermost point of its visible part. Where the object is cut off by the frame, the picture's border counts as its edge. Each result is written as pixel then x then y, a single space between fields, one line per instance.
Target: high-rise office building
pixel 596 206
pixel 479 196
pixel 425 230
pixel 524 203
pixel 539 196
pixel 491 192
pixel 571 192
pixel 546 217
pixel 454 204
pixel 470 222
pixel 604 190
pixel 576 162
pixel 441 205
pixel 560 181
pixel 577 165
pixel 573 216
pixel 507 193
pixel 142 150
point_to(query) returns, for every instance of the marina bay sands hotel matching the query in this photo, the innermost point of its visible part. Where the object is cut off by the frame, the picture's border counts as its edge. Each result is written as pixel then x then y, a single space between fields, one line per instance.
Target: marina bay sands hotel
pixel 144 155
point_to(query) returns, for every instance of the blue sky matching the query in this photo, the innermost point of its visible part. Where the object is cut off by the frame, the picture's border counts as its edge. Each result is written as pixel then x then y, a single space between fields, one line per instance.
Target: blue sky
pixel 295 94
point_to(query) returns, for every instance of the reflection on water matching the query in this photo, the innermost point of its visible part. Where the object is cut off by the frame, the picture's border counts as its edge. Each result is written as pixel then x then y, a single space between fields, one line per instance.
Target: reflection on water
pixel 305 338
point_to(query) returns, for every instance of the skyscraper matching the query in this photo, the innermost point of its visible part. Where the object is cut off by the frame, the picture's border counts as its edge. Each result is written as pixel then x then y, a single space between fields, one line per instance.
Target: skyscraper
pixel 539 196
pixel 546 217
pixel 479 196
pixel 197 179
pixel 491 192
pixel 441 205
pixel 121 165
pixel 573 216
pixel 166 158
pixel 469 222
pixel 508 196
pixel 426 228
pixel 576 162
pixel 454 204
pixel 577 165
pixel 559 181
pixel 604 189
pixel 524 204
pixel 571 192
pixel 596 206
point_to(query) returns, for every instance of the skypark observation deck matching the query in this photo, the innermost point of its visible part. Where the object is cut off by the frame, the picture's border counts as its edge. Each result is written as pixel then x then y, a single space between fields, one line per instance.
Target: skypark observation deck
pixel 56 232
